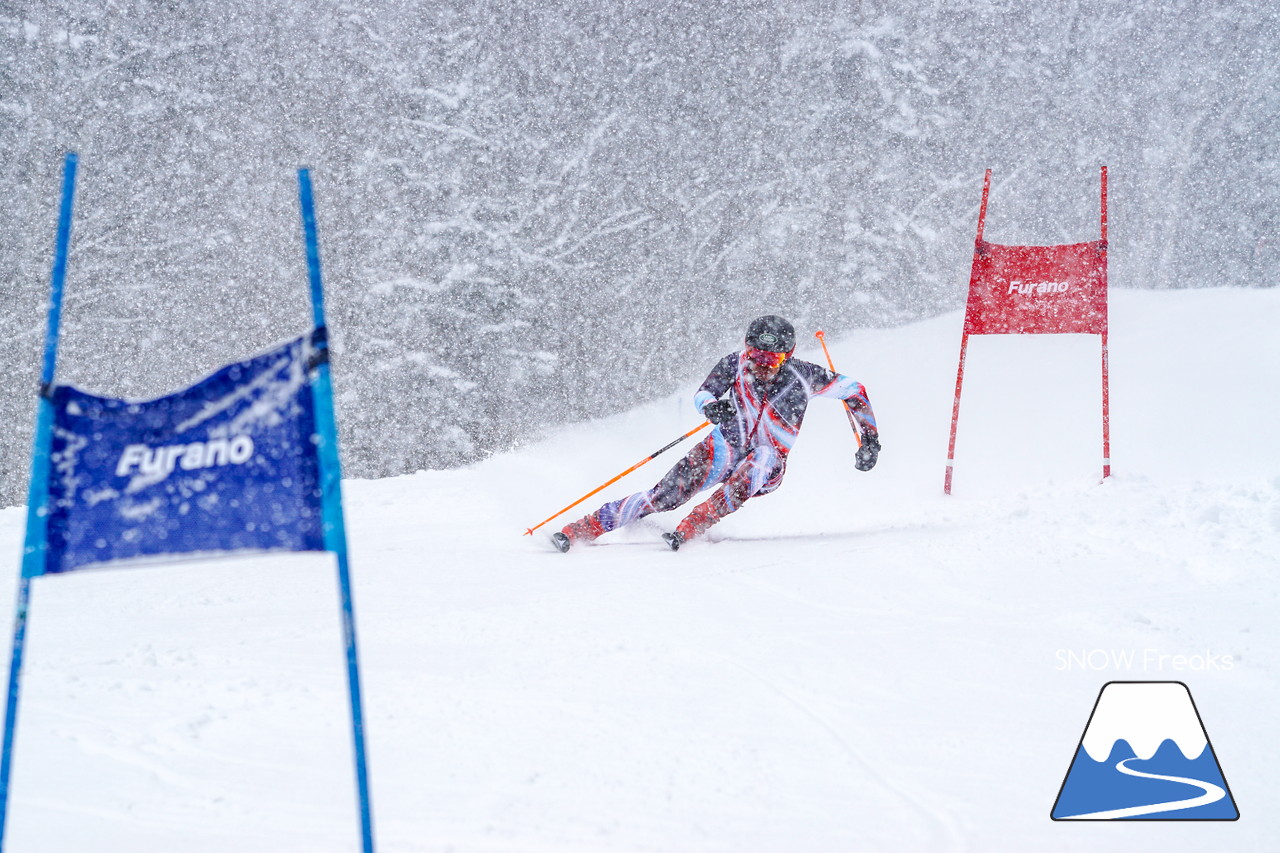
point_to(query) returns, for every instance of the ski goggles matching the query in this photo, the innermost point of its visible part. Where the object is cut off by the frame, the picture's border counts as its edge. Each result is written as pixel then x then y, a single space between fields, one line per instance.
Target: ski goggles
pixel 764 358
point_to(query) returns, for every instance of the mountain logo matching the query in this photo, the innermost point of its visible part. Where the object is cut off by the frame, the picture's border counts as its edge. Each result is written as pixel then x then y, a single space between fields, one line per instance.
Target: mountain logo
pixel 1144 755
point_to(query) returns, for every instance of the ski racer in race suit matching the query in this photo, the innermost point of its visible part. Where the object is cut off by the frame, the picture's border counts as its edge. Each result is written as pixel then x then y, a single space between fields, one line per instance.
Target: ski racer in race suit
pixel 756 399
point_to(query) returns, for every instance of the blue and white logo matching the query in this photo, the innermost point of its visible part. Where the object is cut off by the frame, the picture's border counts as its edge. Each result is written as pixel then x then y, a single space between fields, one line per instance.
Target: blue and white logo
pixel 1145 755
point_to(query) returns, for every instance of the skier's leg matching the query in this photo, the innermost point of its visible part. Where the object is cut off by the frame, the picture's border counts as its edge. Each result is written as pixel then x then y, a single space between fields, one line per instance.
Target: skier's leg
pixel 703 467
pixel 686 478
pixel 760 473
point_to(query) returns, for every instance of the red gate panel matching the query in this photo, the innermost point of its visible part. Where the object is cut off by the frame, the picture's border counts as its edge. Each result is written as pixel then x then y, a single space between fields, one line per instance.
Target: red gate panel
pixel 1037 290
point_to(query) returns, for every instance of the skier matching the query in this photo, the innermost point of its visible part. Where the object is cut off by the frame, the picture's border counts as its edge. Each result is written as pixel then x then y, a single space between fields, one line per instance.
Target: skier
pixel 755 399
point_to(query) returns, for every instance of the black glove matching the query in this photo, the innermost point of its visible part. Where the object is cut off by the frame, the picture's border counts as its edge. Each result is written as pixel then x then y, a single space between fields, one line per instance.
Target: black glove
pixel 719 411
pixel 868 452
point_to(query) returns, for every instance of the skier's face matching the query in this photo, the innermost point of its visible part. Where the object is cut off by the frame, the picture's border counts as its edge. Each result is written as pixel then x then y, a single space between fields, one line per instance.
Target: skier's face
pixel 761 374
pixel 764 365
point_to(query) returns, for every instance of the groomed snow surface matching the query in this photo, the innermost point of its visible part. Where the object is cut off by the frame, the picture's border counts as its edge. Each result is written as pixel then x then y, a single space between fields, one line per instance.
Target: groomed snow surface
pixel 855 663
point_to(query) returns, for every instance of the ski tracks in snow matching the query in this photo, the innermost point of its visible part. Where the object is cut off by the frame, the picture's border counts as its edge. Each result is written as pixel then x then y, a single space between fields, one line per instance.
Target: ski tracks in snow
pixel 943 834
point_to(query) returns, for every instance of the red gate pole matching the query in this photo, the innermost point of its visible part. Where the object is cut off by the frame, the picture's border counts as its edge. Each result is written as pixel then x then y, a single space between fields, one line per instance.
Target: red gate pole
pixel 1106 413
pixel 982 211
pixel 964 338
pixel 1106 381
pixel 1104 204
pixel 955 414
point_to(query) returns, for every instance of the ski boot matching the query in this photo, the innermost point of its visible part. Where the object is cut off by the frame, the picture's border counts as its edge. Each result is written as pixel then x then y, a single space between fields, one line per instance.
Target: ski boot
pixel 703 516
pixel 584 530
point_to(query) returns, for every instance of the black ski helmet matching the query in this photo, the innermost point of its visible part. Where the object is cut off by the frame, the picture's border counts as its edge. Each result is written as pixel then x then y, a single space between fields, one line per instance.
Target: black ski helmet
pixel 771 334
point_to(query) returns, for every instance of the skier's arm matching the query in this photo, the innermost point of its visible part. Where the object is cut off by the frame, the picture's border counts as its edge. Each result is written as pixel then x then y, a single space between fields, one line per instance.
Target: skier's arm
pixel 854 394
pixel 716 383
pixel 855 398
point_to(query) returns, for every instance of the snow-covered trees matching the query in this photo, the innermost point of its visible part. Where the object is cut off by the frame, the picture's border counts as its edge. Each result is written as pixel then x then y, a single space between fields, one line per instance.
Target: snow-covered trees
pixel 539 212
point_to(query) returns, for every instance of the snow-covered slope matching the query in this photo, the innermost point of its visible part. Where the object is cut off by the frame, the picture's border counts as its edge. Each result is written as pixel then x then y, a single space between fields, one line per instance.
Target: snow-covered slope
pixel 853 663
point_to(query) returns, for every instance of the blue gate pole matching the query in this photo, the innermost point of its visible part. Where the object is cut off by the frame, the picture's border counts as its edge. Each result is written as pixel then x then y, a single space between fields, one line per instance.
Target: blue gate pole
pixel 36 546
pixel 335 531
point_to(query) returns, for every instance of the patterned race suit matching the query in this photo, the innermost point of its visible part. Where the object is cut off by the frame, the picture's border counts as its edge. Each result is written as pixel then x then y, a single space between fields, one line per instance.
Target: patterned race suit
pixel 747 454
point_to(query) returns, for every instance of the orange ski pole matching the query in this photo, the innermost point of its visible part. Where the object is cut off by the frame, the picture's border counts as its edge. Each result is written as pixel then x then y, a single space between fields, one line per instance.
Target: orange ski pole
pixel 652 455
pixel 822 339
